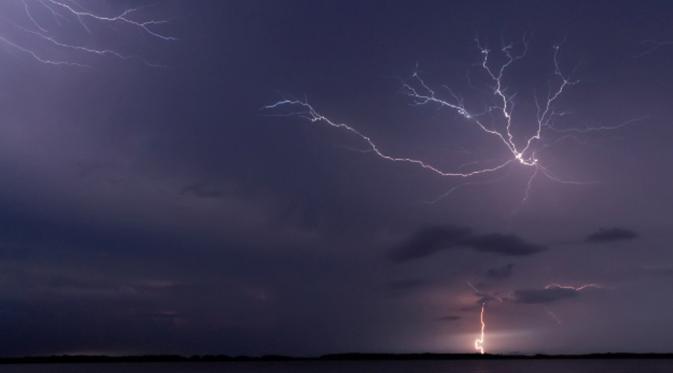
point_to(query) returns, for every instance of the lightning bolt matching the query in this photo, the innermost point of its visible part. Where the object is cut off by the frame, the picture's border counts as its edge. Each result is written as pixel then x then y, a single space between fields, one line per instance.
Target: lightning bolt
pixel 43 19
pixel 652 46
pixel 575 288
pixel 307 111
pixel 484 298
pixel 553 316
pixel 525 151
pixel 578 288
pixel 479 343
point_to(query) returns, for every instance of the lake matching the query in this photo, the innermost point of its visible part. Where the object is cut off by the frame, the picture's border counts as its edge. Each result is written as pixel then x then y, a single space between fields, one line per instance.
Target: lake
pixel 459 366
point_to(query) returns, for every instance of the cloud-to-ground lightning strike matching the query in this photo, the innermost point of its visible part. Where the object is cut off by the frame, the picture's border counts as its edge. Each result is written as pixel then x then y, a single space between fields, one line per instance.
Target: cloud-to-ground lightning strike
pixel 484 298
pixel 526 151
pixel 37 23
pixel 479 343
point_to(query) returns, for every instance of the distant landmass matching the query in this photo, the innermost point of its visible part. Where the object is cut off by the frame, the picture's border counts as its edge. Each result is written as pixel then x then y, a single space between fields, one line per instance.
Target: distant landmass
pixel 329 357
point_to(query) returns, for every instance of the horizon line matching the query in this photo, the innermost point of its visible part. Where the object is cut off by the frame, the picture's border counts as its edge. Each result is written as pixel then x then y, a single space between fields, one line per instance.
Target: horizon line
pixel 350 356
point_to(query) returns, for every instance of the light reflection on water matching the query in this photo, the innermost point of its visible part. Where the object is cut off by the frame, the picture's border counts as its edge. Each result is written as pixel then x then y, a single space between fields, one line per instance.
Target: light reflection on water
pixel 465 366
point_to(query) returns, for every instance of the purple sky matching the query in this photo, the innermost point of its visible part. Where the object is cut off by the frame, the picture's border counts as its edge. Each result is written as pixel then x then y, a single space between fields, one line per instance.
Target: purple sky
pixel 157 209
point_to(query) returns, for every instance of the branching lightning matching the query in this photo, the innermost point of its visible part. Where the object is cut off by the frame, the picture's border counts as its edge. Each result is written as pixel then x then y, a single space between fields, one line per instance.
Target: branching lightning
pixel 38 23
pixel 504 128
pixel 308 112
pixel 524 151
pixel 579 288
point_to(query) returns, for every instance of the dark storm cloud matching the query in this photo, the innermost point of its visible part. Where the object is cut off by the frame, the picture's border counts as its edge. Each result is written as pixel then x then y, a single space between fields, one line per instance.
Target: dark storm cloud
pixel 155 211
pixel 542 296
pixel 90 168
pixel 408 284
pixel 616 234
pixel 550 294
pixel 485 296
pixel 503 244
pixel 404 287
pixel 449 318
pixel 657 271
pixel 428 241
pixel 202 190
pixel 499 273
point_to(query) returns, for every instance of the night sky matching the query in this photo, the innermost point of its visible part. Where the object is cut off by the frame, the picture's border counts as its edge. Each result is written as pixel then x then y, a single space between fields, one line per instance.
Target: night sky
pixel 150 204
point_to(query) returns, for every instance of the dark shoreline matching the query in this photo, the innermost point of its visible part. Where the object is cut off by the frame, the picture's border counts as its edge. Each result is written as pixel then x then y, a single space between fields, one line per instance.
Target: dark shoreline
pixel 70 359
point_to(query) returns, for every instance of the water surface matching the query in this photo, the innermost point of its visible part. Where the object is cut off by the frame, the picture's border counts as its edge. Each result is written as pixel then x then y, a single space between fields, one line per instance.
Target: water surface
pixel 459 366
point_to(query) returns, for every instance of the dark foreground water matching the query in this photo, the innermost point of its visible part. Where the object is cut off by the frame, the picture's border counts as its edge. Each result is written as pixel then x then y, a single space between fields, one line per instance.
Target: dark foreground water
pixel 464 366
